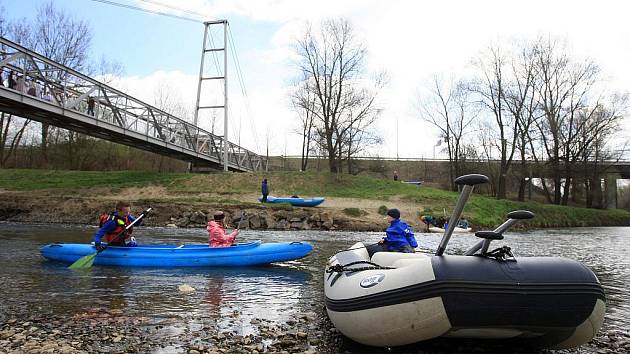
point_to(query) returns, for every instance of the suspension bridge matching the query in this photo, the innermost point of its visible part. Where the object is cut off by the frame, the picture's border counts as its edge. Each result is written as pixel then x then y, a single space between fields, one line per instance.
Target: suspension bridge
pixel 51 93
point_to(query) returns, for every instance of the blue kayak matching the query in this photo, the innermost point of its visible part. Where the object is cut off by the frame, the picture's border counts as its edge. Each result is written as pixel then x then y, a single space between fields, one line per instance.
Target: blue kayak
pixel 199 255
pixel 295 201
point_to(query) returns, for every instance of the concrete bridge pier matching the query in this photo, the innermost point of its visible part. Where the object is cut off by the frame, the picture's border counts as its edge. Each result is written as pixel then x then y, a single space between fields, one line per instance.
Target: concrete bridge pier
pixel 610 183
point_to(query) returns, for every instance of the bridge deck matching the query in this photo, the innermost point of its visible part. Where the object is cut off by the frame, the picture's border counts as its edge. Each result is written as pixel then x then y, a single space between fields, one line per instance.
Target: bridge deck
pixel 113 116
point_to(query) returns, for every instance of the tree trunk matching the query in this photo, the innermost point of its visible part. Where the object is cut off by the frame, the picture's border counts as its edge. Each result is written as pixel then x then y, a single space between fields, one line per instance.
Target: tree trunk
pixel 501 193
pixel 546 190
pixel 522 184
pixel 557 188
pixel 44 146
pixel 332 162
pixel 596 192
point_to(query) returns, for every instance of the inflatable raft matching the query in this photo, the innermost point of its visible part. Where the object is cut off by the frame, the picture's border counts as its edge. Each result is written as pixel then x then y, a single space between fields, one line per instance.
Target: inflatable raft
pixel 549 301
pixel 302 202
pixel 200 255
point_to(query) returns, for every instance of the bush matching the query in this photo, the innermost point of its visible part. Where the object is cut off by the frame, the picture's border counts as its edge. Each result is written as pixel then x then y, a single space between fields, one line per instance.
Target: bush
pixel 354 212
pixel 382 210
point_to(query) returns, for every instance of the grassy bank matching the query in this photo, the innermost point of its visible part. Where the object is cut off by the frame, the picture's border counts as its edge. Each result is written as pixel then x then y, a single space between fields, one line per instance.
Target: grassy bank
pixel 240 187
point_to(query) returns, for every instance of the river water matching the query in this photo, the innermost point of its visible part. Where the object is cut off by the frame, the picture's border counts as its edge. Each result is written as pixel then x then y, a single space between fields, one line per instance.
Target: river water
pixel 277 293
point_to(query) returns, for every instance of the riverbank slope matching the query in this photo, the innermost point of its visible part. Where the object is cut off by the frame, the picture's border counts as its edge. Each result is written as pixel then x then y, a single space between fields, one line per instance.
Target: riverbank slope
pixel 186 200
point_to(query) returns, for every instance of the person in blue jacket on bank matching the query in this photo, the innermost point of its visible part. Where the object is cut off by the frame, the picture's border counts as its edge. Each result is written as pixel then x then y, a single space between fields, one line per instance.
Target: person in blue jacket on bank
pixel 398 236
pixel 264 188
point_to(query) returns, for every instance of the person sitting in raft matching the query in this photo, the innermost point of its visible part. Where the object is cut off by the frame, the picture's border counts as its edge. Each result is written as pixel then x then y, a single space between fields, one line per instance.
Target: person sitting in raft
pixel 398 238
pixel 463 223
pixel 112 227
pixel 216 232
pixel 440 221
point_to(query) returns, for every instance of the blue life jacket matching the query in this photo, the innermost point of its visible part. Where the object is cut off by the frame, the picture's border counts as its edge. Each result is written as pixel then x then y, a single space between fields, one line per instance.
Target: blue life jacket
pixel 399 235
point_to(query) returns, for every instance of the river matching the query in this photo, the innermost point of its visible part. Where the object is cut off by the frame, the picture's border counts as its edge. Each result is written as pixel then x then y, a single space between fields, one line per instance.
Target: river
pixel 231 299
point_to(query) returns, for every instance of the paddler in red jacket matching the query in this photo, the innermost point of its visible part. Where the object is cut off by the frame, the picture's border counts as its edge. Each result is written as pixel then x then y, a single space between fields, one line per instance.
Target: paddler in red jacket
pixel 112 227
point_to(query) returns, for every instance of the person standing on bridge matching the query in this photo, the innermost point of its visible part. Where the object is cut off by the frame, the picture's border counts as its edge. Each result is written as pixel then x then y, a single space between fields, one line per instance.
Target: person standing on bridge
pixel 32 88
pixel 264 188
pixel 20 84
pixel 11 80
pixel 90 109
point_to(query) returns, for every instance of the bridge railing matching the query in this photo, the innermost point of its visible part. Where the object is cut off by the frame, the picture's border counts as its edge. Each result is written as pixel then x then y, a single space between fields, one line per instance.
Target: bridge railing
pixel 31 74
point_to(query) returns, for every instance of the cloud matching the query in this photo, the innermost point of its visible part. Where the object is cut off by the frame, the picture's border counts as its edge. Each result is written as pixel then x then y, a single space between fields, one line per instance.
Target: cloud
pixel 412 41
pixel 251 117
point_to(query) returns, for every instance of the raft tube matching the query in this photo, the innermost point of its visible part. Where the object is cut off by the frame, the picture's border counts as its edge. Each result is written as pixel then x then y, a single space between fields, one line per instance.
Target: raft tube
pixel 551 301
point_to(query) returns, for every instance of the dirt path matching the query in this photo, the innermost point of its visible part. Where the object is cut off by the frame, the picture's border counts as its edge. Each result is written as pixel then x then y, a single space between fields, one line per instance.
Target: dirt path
pixel 335 205
pixel 408 210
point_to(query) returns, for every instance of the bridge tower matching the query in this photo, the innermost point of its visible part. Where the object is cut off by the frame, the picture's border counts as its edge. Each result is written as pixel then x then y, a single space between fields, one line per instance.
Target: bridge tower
pixel 209 75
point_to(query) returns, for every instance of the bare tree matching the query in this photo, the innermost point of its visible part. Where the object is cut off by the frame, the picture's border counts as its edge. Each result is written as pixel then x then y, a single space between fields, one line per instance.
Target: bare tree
pixel 448 108
pixel 304 103
pixel 491 88
pixel 520 101
pixel 543 106
pixel 63 39
pixel 592 152
pixel 11 128
pixel 563 88
pixel 332 69
pixel 362 115
pixel 167 98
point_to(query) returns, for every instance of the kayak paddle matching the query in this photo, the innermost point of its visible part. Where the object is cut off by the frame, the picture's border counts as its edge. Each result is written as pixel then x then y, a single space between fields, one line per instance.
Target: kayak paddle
pixel 87 261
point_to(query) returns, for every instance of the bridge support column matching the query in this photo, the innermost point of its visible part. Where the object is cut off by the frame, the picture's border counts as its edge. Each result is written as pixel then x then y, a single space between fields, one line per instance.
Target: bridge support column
pixel 610 182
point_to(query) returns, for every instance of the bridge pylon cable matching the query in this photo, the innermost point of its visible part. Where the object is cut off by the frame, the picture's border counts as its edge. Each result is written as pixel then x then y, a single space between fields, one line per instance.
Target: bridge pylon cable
pixel 127 6
pixel 239 73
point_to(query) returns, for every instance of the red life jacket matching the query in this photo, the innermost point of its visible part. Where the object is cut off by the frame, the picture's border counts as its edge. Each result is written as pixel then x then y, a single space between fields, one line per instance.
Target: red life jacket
pixel 121 224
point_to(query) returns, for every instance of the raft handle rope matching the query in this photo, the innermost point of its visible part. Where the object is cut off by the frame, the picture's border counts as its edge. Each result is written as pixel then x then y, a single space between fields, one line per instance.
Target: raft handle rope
pixel 355 248
pixel 500 254
pixel 339 268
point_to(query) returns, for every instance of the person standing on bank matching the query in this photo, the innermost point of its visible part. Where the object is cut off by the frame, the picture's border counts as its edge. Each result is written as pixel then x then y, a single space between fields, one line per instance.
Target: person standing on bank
pixel 398 238
pixel 216 232
pixel 395 175
pixel 264 188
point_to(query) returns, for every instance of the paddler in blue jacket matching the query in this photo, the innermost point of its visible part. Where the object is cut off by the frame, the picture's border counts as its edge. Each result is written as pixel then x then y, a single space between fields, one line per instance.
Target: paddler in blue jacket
pixel 398 236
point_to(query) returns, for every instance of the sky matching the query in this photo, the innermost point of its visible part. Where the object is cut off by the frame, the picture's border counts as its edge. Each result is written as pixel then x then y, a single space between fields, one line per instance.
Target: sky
pixel 410 40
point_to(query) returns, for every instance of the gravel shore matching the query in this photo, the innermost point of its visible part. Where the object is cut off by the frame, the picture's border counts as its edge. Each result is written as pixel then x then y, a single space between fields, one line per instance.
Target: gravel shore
pixel 100 330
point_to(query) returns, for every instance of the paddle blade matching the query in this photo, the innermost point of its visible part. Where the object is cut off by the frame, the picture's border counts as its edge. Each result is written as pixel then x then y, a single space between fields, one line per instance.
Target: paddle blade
pixel 83 262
